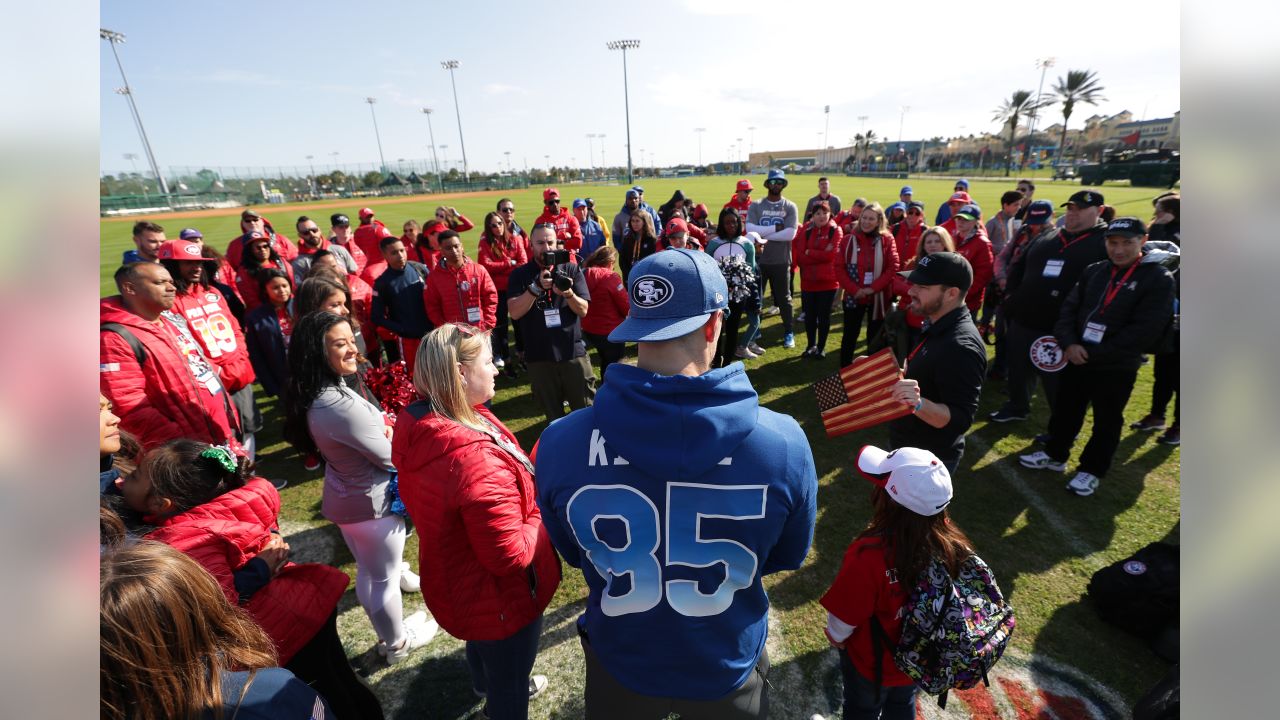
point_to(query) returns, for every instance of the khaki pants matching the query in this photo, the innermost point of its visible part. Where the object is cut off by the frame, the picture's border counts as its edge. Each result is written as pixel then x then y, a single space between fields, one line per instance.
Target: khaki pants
pixel 554 383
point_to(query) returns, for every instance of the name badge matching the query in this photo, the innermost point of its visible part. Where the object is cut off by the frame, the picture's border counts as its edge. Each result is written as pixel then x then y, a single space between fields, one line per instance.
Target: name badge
pixel 1093 332
pixel 866 278
pixel 1053 268
pixel 473 315
pixel 209 379
pixel 552 317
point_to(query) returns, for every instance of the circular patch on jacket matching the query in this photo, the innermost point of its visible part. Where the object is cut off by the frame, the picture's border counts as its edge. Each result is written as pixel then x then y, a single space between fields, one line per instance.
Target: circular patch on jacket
pixel 651 291
pixel 212 297
pixel 1135 567
pixel 1046 355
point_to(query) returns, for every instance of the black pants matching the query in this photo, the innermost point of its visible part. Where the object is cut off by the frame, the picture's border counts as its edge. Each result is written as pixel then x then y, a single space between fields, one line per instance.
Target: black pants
pixel 777 278
pixel 1107 390
pixel 816 306
pixel 322 664
pixel 1168 369
pixel 853 315
pixel 554 383
pixel 498 338
pixel 728 336
pixel 1022 374
pixel 609 352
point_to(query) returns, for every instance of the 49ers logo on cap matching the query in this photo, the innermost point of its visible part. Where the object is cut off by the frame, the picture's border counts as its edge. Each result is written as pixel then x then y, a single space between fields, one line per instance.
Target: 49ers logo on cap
pixel 651 291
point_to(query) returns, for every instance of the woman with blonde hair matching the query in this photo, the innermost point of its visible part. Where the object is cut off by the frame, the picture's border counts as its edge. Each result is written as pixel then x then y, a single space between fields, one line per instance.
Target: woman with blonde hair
pixel 453 220
pixel 866 264
pixel 171 647
pixel 487 565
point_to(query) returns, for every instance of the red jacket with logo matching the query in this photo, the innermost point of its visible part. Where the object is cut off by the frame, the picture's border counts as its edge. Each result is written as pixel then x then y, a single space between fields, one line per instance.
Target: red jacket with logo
pixel 907 241
pixel 856 259
pixel 157 400
pixel 741 207
pixel 977 250
pixel 487 564
pixel 609 301
pixel 358 255
pixel 218 333
pixel 449 292
pixel 501 258
pixel 224 534
pixel 567 228
pixel 814 251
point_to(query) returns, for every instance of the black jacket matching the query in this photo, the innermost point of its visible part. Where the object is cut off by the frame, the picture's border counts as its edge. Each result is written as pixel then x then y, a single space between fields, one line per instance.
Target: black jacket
pixel 1032 299
pixel 1135 320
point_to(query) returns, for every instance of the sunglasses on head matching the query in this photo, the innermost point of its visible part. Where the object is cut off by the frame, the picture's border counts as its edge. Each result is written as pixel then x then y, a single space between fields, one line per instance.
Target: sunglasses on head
pixel 465 330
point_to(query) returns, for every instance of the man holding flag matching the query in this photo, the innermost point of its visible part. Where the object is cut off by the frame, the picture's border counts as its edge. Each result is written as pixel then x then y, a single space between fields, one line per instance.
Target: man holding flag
pixel 942 375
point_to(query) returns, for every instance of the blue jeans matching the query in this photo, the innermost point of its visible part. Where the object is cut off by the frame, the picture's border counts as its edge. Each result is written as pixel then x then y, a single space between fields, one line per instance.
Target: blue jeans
pixel 861 701
pixel 500 669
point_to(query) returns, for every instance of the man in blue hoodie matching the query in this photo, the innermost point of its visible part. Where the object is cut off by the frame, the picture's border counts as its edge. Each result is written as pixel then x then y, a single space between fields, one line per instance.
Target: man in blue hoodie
pixel 675 494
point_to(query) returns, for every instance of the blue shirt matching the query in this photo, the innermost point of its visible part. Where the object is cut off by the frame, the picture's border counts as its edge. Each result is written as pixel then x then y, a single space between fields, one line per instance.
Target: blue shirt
pixel 398 304
pixel 675 496
pixel 274 694
pixel 592 237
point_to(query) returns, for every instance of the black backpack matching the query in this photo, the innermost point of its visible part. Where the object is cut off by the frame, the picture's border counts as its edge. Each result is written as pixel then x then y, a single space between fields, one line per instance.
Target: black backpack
pixel 1140 593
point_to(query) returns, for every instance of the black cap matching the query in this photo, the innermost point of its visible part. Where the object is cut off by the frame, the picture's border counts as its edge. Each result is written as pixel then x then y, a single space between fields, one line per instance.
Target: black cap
pixel 1127 226
pixel 944 268
pixel 337 219
pixel 1085 199
pixel 915 204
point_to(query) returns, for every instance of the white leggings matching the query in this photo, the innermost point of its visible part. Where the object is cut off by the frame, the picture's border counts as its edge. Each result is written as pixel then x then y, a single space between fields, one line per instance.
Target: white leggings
pixel 378 546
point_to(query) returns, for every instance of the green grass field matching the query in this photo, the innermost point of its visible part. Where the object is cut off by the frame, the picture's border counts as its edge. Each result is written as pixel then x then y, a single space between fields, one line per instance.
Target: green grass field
pixel 1042 542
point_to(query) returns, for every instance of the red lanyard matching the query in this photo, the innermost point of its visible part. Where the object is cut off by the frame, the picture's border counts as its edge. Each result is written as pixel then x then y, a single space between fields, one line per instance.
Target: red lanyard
pixel 1114 287
pixel 1066 245
pixel 913 352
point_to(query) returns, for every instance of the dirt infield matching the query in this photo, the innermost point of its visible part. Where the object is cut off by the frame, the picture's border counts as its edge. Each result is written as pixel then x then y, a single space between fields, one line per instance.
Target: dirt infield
pixel 317 205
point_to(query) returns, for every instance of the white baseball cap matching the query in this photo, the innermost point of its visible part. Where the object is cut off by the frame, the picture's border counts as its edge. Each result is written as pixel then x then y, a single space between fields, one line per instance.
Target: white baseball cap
pixel 916 479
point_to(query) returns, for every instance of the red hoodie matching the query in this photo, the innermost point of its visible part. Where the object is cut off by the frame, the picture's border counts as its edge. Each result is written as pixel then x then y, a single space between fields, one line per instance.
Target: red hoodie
pixel 463 295
pixel 977 250
pixel 218 333
pixel 741 207
pixel 367 237
pixel 567 228
pixel 814 252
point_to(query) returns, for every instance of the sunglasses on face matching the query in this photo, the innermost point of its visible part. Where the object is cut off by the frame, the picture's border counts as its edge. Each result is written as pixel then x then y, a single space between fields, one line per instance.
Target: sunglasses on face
pixel 915 212
pixel 495 225
pixel 507 209
pixel 308 231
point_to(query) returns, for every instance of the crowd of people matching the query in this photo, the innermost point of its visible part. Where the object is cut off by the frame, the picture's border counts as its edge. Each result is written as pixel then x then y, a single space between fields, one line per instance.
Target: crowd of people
pixel 1077 302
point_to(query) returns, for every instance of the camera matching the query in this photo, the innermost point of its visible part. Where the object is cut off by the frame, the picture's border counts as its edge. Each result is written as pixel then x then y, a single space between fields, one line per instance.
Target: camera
pixel 551 258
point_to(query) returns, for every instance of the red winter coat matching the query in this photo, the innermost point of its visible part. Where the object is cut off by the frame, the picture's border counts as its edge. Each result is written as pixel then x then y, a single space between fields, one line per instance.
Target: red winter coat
pixel 741 207
pixel 447 300
pixel 224 534
pixel 367 237
pixel 247 284
pixel 567 228
pixel 501 259
pixel 867 247
pixel 281 244
pixel 814 251
pixel 900 288
pixel 361 299
pixel 907 242
pixel 487 564
pixel 218 333
pixel 609 302
pixel 977 250
pixel 158 400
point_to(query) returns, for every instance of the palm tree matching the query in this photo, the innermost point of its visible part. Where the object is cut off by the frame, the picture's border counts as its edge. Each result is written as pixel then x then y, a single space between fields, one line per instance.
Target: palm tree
pixel 1019 104
pixel 1078 86
pixel 869 138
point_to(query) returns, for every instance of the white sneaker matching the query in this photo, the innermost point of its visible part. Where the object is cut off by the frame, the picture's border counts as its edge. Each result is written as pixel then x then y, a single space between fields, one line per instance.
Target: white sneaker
pixel 755 348
pixel 1040 460
pixel 416 634
pixel 771 311
pixel 537 683
pixel 418 618
pixel 745 354
pixel 1083 484
pixel 409 580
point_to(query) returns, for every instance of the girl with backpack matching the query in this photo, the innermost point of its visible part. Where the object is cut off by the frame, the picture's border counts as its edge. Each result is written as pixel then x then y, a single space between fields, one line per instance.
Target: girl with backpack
pixel 909 540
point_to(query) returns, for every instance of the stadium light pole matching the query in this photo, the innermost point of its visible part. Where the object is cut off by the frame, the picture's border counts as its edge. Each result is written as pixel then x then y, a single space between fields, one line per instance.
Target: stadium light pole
pixel 311 160
pixel 431 133
pixel 508 154
pixel 603 165
pixel 452 65
pixel 445 149
pixel 376 135
pixel 114 38
pixel 739 154
pixel 901 119
pixel 699 131
pixel 1044 64
pixel 624 46
pixel 591 149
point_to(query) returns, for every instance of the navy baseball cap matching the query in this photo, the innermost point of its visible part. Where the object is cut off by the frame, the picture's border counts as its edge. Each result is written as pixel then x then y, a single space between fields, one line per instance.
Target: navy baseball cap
pixel 916 204
pixel 579 202
pixel 963 182
pixel 1127 226
pixel 906 190
pixel 944 268
pixel 970 212
pixel 338 220
pixel 638 189
pixel 898 205
pixel 1039 212
pixel 672 294
pixel 190 234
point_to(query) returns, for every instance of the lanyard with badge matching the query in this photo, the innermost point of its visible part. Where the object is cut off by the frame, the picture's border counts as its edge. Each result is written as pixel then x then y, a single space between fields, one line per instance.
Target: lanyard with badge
pixel 1053 267
pixel 1094 330
pixel 464 292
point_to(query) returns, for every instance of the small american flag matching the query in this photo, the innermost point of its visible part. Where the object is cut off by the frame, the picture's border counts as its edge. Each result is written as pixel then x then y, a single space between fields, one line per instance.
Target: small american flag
pixel 859 396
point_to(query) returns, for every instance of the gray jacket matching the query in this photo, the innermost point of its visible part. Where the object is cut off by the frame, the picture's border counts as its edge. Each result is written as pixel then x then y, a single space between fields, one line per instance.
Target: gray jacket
pixel 348 430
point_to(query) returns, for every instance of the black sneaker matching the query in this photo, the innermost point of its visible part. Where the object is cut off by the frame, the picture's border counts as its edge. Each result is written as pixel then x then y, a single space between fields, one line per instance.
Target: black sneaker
pixel 1148 423
pixel 1003 416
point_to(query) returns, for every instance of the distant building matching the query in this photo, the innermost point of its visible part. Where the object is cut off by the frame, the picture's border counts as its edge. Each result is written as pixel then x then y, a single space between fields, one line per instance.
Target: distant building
pixel 1157 133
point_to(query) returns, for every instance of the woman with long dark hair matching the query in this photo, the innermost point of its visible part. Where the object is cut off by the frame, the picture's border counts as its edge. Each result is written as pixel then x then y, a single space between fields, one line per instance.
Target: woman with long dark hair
pixel 675 207
pixel 488 567
pixel 329 411
pixel 499 253
pixel 260 254
pixel 639 240
pixel 813 253
pixel 327 294
pixel 735 252
pixel 171 647
pixel 268 329
pixel 909 528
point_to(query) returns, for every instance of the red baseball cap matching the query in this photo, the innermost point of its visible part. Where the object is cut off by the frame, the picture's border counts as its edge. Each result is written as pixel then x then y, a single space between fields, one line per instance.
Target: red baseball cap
pixel 744 184
pixel 179 250
pixel 700 210
pixel 550 193
pixel 960 197
pixel 365 213
pixel 675 225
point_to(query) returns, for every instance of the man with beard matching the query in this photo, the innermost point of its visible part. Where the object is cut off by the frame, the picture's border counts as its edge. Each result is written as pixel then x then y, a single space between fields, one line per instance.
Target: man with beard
pixel 310 241
pixel 250 222
pixel 943 374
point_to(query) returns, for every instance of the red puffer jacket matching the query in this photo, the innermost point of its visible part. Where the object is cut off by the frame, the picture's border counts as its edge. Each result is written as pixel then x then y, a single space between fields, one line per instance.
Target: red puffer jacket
pixel 449 292
pixel 977 250
pixel 487 564
pixel 281 244
pixel 609 301
pixel 814 252
pixel 218 333
pixel 224 534
pixel 158 400
pixel 907 241
pixel 500 260
pixel 367 237
pixel 856 261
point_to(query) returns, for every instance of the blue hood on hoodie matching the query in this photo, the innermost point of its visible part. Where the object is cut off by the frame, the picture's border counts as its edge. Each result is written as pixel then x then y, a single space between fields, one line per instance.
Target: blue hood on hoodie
pixel 696 421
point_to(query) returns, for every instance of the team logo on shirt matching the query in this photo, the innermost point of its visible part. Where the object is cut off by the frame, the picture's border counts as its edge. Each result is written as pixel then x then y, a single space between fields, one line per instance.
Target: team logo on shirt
pixel 651 291
pixel 1047 355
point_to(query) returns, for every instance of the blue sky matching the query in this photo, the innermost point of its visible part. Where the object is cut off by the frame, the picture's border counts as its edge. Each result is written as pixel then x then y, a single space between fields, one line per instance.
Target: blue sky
pixel 236 83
